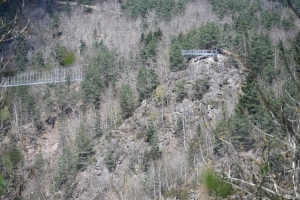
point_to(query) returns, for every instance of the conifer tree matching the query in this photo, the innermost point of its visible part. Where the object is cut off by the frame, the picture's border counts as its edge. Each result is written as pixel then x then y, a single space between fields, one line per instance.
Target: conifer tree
pixel 56 21
pixel 84 149
pixel 126 101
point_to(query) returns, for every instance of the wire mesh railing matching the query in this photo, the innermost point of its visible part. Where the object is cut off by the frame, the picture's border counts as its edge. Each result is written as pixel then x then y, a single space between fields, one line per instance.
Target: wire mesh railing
pixel 34 78
pixel 200 52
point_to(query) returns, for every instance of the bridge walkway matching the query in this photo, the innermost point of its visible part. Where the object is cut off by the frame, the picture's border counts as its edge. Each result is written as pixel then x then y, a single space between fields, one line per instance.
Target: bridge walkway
pixel 199 52
pixel 55 76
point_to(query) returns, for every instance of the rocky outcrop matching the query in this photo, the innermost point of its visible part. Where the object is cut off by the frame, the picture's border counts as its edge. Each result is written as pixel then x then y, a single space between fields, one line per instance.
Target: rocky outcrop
pixel 128 140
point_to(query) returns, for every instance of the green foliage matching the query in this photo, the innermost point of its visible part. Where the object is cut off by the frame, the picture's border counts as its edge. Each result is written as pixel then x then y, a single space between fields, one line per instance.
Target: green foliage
pixel 14 152
pixel 240 132
pixel 181 193
pixel 152 139
pixel 230 6
pixel 49 8
pixel 147 81
pixel 37 118
pixel 149 43
pixel 104 61
pixel 68 8
pixel 97 126
pixel 39 162
pixel 29 107
pixel 249 101
pixel 296 51
pixel 95 34
pixel 245 14
pixel 3 185
pixel 261 56
pixel 82 47
pixel 215 184
pixel 92 86
pixel 160 96
pixel 4 115
pixel 209 35
pixel 30 110
pixel 155 153
pixel 193 151
pixel 232 61
pixel 56 21
pixel 245 22
pixel 195 146
pixel 21 49
pixel 179 127
pixel 270 18
pixel 145 165
pixel 38 60
pixel 85 2
pixel 110 161
pixel 68 59
pixel 206 37
pixel 126 101
pixel 176 59
pixel 215 58
pixel 84 149
pixel 151 135
pixel 200 88
pixel 181 91
pixel 295 3
pixel 67 170
pixel 287 24
pixel 62 55
pixel 163 9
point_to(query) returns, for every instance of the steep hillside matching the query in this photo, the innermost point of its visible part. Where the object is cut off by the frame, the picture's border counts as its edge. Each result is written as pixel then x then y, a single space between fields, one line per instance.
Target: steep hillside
pixel 145 122
pixel 129 141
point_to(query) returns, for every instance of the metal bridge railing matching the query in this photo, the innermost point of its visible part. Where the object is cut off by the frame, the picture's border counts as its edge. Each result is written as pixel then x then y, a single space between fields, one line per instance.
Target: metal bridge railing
pixel 54 76
pixel 200 52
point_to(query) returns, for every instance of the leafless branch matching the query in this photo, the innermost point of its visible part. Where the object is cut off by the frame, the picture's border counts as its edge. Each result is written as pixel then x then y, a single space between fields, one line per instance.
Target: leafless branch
pixel 23 11
pixel 293 8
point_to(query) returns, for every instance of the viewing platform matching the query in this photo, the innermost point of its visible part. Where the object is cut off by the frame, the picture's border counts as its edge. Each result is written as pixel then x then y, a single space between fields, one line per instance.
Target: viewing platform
pixel 34 78
pixel 194 53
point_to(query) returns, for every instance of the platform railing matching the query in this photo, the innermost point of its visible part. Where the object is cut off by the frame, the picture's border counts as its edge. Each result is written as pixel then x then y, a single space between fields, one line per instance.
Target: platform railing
pixel 57 75
pixel 199 52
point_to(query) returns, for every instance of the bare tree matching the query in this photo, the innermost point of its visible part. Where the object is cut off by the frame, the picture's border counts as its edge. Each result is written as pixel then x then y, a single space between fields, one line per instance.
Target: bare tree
pixel 14 26
pixel 253 173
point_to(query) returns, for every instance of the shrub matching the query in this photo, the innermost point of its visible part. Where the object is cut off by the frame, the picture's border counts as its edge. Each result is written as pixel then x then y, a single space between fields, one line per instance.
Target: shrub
pixel 216 59
pixel 66 172
pixel 110 161
pixel 97 126
pixel 92 85
pixel 39 162
pixel 147 81
pixel 4 115
pixel 84 149
pixel 126 101
pixel 179 127
pixel 62 55
pixel 181 91
pixel 201 87
pixel 38 60
pixel 215 184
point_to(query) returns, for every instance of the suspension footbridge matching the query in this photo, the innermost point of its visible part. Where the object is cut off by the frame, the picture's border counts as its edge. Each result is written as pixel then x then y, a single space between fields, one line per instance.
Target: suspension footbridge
pixel 75 73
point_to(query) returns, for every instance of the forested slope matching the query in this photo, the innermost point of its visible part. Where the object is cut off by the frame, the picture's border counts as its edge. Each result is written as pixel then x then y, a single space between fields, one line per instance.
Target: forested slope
pixel 145 122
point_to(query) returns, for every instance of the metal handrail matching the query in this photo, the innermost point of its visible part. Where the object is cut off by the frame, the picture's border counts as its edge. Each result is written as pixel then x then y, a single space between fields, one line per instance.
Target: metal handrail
pixel 199 52
pixel 74 73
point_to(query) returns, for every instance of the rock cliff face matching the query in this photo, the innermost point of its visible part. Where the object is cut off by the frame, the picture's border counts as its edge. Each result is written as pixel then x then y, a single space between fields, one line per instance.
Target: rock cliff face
pixel 128 181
